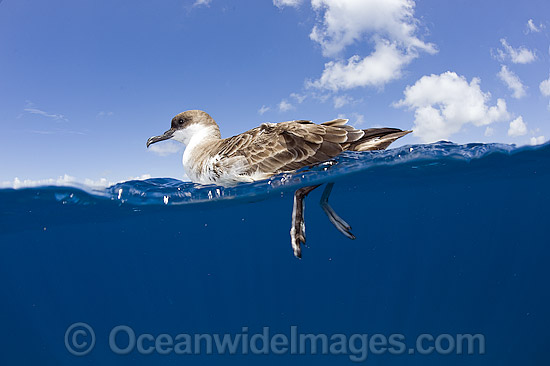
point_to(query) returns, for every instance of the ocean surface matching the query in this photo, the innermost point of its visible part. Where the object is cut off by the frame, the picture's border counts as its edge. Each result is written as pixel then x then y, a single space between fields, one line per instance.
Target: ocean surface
pixel 452 240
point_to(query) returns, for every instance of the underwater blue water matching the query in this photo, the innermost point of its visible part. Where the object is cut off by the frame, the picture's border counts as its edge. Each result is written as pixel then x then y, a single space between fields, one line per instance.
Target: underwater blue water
pixel 451 239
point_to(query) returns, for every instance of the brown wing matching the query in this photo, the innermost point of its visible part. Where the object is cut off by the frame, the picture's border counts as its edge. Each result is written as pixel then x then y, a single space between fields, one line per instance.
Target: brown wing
pixel 287 146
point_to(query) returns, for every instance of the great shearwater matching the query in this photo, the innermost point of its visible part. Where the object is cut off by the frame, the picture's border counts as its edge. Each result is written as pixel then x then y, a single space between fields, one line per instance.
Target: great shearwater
pixel 270 149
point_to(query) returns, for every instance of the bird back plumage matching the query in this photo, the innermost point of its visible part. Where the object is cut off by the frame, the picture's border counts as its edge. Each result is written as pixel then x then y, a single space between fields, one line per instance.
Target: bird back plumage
pixel 273 148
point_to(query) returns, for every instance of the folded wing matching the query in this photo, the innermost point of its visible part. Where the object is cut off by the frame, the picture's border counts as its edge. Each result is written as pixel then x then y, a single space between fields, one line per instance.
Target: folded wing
pixel 273 148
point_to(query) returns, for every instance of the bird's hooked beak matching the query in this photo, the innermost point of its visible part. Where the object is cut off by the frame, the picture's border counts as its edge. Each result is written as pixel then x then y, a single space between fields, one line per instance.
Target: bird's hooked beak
pixel 165 136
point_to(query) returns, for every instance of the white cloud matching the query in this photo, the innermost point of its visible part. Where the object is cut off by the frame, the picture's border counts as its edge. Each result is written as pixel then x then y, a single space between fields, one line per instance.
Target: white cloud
pixel 139 177
pixel 489 131
pixel 531 27
pixel 545 87
pixel 45 114
pixel 341 100
pixel 348 21
pixel 389 25
pixel 517 127
pixel 356 119
pixel 537 140
pixel 444 103
pixel 519 55
pixel 380 67
pixel 166 148
pixel 65 181
pixel 263 109
pixel 298 97
pixel 282 3
pixel 512 81
pixel 388 30
pixel 202 3
pixel 285 106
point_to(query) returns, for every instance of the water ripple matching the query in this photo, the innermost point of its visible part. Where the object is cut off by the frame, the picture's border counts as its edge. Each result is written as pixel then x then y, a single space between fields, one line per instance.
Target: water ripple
pixel 167 191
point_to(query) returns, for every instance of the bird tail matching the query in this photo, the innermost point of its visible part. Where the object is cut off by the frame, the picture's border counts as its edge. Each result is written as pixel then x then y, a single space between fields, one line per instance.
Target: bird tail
pixel 377 139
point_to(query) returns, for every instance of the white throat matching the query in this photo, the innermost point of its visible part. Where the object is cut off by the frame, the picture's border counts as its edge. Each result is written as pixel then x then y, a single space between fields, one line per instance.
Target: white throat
pixel 195 134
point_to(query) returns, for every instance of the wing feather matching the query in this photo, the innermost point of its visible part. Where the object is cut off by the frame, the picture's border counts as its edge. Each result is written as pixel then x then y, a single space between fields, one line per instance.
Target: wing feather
pixel 286 146
pixel 336 122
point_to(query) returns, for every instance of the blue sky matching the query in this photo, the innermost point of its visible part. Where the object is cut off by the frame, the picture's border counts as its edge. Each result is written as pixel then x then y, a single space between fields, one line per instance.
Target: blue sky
pixel 83 84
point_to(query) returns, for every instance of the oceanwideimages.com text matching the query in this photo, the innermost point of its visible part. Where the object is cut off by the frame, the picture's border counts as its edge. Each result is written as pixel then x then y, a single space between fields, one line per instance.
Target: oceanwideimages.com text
pixel 80 339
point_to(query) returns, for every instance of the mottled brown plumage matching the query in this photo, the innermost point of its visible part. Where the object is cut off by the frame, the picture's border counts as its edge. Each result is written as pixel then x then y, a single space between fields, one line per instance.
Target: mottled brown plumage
pixel 282 147
pixel 270 149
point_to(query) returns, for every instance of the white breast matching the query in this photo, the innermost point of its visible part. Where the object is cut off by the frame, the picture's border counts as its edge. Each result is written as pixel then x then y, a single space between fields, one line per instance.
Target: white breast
pixel 202 164
pixel 197 139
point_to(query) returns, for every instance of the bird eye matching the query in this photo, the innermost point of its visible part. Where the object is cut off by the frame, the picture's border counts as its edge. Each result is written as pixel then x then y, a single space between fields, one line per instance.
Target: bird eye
pixel 180 121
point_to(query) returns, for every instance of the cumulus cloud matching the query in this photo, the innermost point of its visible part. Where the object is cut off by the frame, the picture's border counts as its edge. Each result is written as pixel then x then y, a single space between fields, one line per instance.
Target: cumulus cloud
pixel 537 140
pixel 348 21
pixel 377 69
pixel 263 109
pixel 285 106
pixel 166 148
pixel 444 103
pixel 489 131
pixel 389 25
pixel 517 127
pixel 519 55
pixel 282 3
pixel 544 87
pixel 513 82
pixel 532 27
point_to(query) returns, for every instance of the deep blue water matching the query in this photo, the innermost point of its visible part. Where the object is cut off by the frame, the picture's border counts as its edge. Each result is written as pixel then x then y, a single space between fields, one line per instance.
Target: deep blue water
pixel 451 239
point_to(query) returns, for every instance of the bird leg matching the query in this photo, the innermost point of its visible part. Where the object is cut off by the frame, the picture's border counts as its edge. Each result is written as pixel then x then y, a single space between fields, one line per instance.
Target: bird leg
pixel 298 229
pixel 336 220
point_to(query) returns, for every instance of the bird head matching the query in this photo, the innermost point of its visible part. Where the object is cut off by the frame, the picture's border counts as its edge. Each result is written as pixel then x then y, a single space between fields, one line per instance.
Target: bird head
pixel 186 125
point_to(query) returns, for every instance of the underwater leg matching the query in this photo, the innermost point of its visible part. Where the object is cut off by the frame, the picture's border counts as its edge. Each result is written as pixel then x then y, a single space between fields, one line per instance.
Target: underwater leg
pixel 298 229
pixel 336 220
